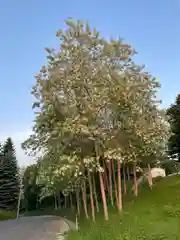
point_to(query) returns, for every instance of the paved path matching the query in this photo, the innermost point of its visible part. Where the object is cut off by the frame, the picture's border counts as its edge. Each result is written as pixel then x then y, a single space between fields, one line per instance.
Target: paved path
pixel 32 228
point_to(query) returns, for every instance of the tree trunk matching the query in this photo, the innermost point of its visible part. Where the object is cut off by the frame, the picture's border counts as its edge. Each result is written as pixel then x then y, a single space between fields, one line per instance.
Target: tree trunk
pixel 103 196
pixel 110 184
pixel 65 201
pixel 91 196
pixel 124 180
pixel 114 180
pixel 106 183
pixel 150 176
pixel 58 200
pixel 128 174
pixel 119 187
pixel 55 201
pixel 84 199
pixel 71 202
pixel 78 201
pixel 135 181
pixel 95 194
pixel 19 200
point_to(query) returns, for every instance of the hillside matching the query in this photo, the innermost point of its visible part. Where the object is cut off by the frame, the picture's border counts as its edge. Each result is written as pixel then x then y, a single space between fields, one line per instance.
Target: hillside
pixel 154 215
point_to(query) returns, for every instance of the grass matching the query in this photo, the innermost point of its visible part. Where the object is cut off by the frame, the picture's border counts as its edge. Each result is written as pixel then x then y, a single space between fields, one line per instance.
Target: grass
pixel 5 215
pixel 154 215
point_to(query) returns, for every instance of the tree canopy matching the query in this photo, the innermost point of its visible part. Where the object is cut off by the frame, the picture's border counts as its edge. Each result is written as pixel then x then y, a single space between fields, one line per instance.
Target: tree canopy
pixel 94 104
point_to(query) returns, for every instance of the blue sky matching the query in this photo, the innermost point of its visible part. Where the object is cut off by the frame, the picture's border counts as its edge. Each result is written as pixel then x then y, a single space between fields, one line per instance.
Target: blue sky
pixel 151 26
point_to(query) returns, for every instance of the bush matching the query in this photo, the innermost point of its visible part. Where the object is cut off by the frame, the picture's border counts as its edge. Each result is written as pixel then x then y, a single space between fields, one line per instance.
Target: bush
pixel 5 215
pixel 171 166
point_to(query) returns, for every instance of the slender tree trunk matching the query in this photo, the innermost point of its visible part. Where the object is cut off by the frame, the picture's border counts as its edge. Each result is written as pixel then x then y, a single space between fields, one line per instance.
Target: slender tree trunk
pixel 103 196
pixel 19 199
pixel 77 222
pixel 91 196
pixel 84 199
pixel 59 200
pixel 150 176
pixel 135 181
pixel 71 202
pixel 37 203
pixel 110 184
pixel 55 201
pixel 119 187
pixel 103 175
pixel 114 180
pixel 95 194
pixel 65 201
pixel 128 173
pixel 78 201
pixel 106 183
pixel 124 180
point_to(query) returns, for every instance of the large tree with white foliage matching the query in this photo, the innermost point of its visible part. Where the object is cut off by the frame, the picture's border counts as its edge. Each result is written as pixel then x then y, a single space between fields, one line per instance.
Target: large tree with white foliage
pixel 95 110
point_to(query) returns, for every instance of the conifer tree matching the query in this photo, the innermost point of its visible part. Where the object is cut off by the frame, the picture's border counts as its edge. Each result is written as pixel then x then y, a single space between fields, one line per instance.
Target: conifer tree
pixel 173 113
pixel 9 180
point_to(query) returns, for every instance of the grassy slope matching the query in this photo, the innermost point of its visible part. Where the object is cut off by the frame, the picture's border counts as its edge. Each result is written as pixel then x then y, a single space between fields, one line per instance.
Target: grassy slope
pixel 154 215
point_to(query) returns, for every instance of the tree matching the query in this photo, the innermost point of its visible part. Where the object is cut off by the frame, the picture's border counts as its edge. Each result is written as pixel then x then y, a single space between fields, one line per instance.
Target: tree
pixel 8 147
pixel 31 188
pixel 9 177
pixel 173 113
pixel 96 108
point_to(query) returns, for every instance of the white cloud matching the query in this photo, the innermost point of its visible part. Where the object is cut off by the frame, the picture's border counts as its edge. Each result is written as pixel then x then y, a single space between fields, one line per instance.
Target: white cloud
pixel 18 137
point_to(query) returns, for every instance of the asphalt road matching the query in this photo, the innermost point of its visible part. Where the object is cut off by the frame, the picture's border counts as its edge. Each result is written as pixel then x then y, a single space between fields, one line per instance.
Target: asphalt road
pixel 32 228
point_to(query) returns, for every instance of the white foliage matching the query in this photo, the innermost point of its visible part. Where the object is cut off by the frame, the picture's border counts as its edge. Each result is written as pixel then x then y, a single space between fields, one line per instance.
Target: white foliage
pixel 158 172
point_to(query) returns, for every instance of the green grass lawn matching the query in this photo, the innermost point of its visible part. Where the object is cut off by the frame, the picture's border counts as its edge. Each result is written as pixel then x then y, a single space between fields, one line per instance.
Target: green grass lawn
pixel 154 215
pixel 6 215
